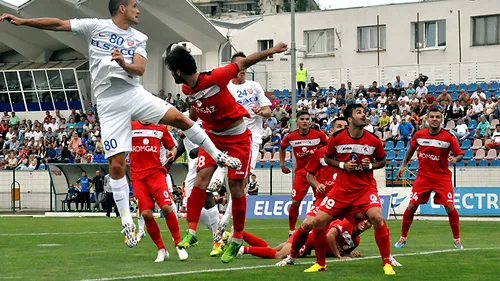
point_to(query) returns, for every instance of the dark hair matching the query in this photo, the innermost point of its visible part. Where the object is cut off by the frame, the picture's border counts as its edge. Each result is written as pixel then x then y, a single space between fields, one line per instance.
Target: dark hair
pixel 302 112
pixel 340 119
pixel 238 55
pixel 180 59
pixel 497 125
pixel 114 6
pixel 350 108
pixel 435 109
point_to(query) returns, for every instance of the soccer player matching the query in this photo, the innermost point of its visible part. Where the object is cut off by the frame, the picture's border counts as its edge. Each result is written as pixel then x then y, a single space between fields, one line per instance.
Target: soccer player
pixel 251 95
pixel 222 119
pixel 433 146
pixel 149 182
pixel 356 152
pixel 321 176
pixel 304 142
pixel 117 58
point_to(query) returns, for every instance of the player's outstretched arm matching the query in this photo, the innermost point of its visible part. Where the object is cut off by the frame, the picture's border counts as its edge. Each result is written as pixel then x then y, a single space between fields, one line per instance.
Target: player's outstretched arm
pixel 53 24
pixel 256 57
pixel 332 243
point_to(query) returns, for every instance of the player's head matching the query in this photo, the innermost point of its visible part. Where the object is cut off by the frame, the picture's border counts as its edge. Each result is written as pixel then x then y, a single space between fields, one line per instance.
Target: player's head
pixel 235 58
pixel 126 9
pixel 361 227
pixel 355 115
pixel 339 124
pixel 435 118
pixel 181 64
pixel 303 120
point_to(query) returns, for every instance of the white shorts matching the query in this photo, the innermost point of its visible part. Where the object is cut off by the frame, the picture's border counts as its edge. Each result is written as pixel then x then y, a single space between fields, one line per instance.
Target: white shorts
pixel 255 155
pixel 121 104
pixel 170 184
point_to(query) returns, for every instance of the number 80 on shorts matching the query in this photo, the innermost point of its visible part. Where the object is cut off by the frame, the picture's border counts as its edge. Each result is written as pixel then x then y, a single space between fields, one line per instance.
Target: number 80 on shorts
pixel 111 144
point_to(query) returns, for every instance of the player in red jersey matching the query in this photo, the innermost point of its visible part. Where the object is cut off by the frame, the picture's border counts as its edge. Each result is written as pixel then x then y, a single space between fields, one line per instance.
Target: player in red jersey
pixel 321 176
pixel 222 119
pixel 304 142
pixel 357 153
pixel 149 181
pixel 433 146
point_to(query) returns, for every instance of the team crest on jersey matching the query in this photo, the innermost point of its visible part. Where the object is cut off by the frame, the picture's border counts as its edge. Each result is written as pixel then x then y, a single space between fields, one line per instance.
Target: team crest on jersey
pixel 145 141
pixel 198 103
pixel 130 43
pixel 250 91
pixel 353 157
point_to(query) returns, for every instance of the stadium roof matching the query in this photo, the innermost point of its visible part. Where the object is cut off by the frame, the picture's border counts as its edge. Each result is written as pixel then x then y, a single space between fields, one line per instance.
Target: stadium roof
pixel 165 22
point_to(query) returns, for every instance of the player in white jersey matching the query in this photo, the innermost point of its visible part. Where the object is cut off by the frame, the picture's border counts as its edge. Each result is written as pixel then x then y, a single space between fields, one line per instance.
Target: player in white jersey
pixel 117 58
pixel 251 95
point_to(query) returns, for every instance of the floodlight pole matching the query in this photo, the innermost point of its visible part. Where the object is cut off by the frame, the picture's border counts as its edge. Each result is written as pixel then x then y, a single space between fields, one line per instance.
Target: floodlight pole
pixel 293 52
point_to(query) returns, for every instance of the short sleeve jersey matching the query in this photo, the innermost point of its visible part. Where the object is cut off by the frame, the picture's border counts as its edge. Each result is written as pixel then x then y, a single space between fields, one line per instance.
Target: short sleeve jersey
pixel 103 37
pixel 324 173
pixel 251 95
pixel 344 148
pixel 146 146
pixel 433 152
pixel 212 101
pixel 346 243
pixel 304 146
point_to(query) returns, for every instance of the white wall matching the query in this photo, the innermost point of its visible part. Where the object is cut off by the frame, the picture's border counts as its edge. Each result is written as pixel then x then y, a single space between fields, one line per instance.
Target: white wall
pixel 479 63
pixel 35 189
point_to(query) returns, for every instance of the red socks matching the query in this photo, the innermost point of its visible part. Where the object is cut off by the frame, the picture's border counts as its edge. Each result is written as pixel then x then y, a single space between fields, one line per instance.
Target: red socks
pixel 293 215
pixel 383 242
pixel 253 240
pixel 298 240
pixel 407 221
pixel 154 233
pixel 454 223
pixel 320 244
pixel 195 203
pixel 239 214
pixel 173 226
pixel 262 252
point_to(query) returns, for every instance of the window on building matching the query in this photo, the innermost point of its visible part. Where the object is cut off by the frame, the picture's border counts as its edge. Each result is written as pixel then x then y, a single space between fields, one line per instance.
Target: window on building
pixel 264 45
pixel 226 53
pixel 429 34
pixel 368 40
pixel 320 41
pixel 486 30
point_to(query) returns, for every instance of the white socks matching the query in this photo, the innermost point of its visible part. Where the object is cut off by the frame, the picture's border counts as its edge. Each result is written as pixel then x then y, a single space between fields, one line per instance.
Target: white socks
pixel 229 212
pixel 120 194
pixel 210 217
pixel 140 222
pixel 198 136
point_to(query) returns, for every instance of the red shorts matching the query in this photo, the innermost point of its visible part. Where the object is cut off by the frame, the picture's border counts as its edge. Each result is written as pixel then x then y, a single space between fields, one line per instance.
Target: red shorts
pixel 423 187
pixel 150 189
pixel 300 186
pixel 338 205
pixel 315 207
pixel 238 146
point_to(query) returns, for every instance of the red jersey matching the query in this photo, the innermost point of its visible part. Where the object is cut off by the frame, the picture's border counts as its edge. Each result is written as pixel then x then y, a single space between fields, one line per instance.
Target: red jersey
pixel 304 146
pixel 344 148
pixel 147 141
pixel 433 152
pixel 212 101
pixel 324 173
pixel 346 243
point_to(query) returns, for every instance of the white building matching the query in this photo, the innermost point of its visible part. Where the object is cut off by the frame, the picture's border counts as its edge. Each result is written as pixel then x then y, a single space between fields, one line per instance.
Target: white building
pixel 458 41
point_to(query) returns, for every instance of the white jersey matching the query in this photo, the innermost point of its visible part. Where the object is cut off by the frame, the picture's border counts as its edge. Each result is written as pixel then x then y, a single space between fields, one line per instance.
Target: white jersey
pixel 103 37
pixel 188 145
pixel 107 187
pixel 163 150
pixel 250 94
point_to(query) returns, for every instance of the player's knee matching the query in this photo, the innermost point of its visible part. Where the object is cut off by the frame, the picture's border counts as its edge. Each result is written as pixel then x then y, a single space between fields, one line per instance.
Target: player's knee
pixel 147 214
pixel 307 224
pixel 319 223
pixel 166 209
pixel 117 168
pixel 449 208
pixel 377 220
pixel 412 208
pixel 296 203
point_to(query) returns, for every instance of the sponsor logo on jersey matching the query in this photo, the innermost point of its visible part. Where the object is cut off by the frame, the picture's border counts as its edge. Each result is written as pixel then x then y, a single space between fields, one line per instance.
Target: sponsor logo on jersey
pixel 130 43
pixel 111 48
pixel 144 148
pixel 429 156
pixel 145 141
pixel 305 152
pixel 247 100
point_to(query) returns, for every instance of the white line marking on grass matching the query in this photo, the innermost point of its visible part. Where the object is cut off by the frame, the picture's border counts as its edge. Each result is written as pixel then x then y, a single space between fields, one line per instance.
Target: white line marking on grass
pixel 272 265
pixel 49 245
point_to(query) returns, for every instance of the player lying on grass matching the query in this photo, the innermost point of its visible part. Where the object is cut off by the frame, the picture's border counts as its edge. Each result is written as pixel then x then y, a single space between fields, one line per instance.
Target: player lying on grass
pixel 342 236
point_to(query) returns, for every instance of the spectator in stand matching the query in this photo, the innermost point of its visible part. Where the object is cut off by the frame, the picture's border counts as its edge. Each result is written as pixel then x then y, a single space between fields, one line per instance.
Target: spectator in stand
pixel 4 128
pixel 489 108
pixel 62 124
pixel 84 182
pixel 286 106
pixel 333 110
pixel 404 107
pixel 301 77
pixel 59 116
pixel 393 106
pixel 47 118
pixel 374 118
pixel 461 131
pixel 483 129
pixel 394 129
pixel 430 99
pixel 445 96
pixel 479 95
pixel 71 124
pixel 350 99
pixel 349 88
pixel 361 90
pixel 274 143
pixel 90 107
pixel 476 109
pixel 42 155
pixel 98 182
pixel 414 120
pixel 49 134
pixel 457 110
pixel 80 154
pixel 87 127
pixel 399 84
pixel 14 120
pixel 72 196
pixel 384 121
pixel 421 78
pixel 274 102
pixel 51 154
pixel 495 139
pixel 322 113
pixel 313 112
pixel 404 97
pixel 331 98
pixel 272 122
pixel 395 115
pixel 372 101
pixel 6 117
pixel 325 127
pixel 74 143
pixel 373 89
pixel 279 112
pixel 410 91
pixel 496 112
pixel 99 147
pixel 391 91
pixel 10 133
pixel 170 99
pixel 361 99
pixel 405 131
pixel 312 87
pixel 91 116
pixel 79 126
pixel 38 134
pixel 421 91
pixel 342 91
pixel 161 94
pixel 253 185
pixel 266 133
pixel 12 144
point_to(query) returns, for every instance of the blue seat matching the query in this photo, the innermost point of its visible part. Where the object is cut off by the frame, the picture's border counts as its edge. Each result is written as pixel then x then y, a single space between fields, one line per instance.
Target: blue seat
pixel 392 164
pixel 84 141
pixel 401 155
pixel 97 158
pixel 441 87
pixel 435 94
pixel 382 88
pixel 472 124
pixel 471 163
pixel 276 164
pixel 484 86
pixel 493 86
pixel 276 93
pixel 483 163
pixel 495 163
pixel 258 165
pixel 468 155
pixel 390 155
pixel 390 175
pixel 454 96
pixel 431 88
pixel 266 165
pixel 399 145
pixel 460 163
pixel 472 88
pixel 472 133
pixel 288 164
pixel 497 94
pixel 465 144
pixel 452 88
pixel 289 149
pixel 389 145
pixel 411 175
pixel 487 94
pixel 413 165
pixel 461 87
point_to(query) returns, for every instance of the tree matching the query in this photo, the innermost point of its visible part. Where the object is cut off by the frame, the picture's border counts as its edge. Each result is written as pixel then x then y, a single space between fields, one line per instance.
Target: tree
pixel 300 5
